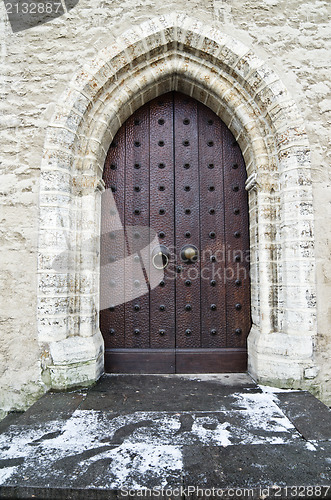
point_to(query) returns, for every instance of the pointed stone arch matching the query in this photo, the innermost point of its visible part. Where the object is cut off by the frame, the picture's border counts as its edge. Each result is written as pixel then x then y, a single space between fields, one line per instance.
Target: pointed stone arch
pixel 176 52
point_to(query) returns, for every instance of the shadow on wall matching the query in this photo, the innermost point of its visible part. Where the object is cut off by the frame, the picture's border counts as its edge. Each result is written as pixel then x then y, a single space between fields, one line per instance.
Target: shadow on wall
pixel 31 13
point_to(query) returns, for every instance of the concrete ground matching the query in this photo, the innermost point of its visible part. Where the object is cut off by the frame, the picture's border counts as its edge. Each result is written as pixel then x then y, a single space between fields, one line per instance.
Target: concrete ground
pixel 168 436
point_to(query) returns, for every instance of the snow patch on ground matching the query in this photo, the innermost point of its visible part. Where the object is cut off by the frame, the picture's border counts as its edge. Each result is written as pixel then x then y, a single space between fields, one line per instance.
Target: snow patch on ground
pixel 262 412
pixel 133 449
pixel 310 446
pixel 14 442
pixel 259 406
pixel 219 436
pixel 135 464
pixel 6 473
pixel 79 433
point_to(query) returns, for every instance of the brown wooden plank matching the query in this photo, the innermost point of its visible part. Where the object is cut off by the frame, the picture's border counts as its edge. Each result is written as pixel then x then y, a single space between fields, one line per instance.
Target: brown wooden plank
pixel 213 311
pixel 237 241
pixel 188 332
pixel 211 360
pixel 140 361
pixel 137 195
pixel 113 247
pixel 162 298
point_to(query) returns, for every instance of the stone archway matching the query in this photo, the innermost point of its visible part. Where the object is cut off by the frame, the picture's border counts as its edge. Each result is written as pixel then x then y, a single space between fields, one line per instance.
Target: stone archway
pixel 176 52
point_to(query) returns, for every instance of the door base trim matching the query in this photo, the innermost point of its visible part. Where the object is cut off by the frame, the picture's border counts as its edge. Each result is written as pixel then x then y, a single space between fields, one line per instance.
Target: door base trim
pixel 149 361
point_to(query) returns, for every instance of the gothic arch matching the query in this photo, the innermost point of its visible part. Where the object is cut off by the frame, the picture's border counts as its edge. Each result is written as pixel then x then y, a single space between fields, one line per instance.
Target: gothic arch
pixel 176 52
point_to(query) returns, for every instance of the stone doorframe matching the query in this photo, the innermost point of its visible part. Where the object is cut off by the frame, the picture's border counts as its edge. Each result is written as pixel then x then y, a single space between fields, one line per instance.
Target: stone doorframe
pixel 176 52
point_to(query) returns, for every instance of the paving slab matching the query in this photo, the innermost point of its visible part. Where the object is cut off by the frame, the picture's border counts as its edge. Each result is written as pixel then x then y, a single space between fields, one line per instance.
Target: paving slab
pixel 151 392
pixel 10 419
pixel 165 436
pixel 310 416
pixel 257 466
pixel 53 405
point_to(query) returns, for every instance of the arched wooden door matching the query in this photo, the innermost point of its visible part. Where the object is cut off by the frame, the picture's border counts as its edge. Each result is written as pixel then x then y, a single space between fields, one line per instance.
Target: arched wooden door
pixel 174 166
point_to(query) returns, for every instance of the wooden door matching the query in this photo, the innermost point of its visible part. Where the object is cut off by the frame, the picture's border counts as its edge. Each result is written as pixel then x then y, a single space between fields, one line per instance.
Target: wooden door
pixel 176 168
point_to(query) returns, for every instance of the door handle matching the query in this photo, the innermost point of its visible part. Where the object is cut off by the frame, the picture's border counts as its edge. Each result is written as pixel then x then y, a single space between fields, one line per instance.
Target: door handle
pixel 189 253
pixel 160 257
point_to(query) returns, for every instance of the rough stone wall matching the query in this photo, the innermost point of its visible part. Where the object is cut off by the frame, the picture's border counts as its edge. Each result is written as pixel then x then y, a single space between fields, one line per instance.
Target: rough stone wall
pixel 294 37
pixel 36 66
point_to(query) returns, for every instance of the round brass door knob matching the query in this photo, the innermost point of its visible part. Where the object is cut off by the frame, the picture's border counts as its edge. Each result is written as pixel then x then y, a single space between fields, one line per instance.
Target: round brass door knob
pixel 189 253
